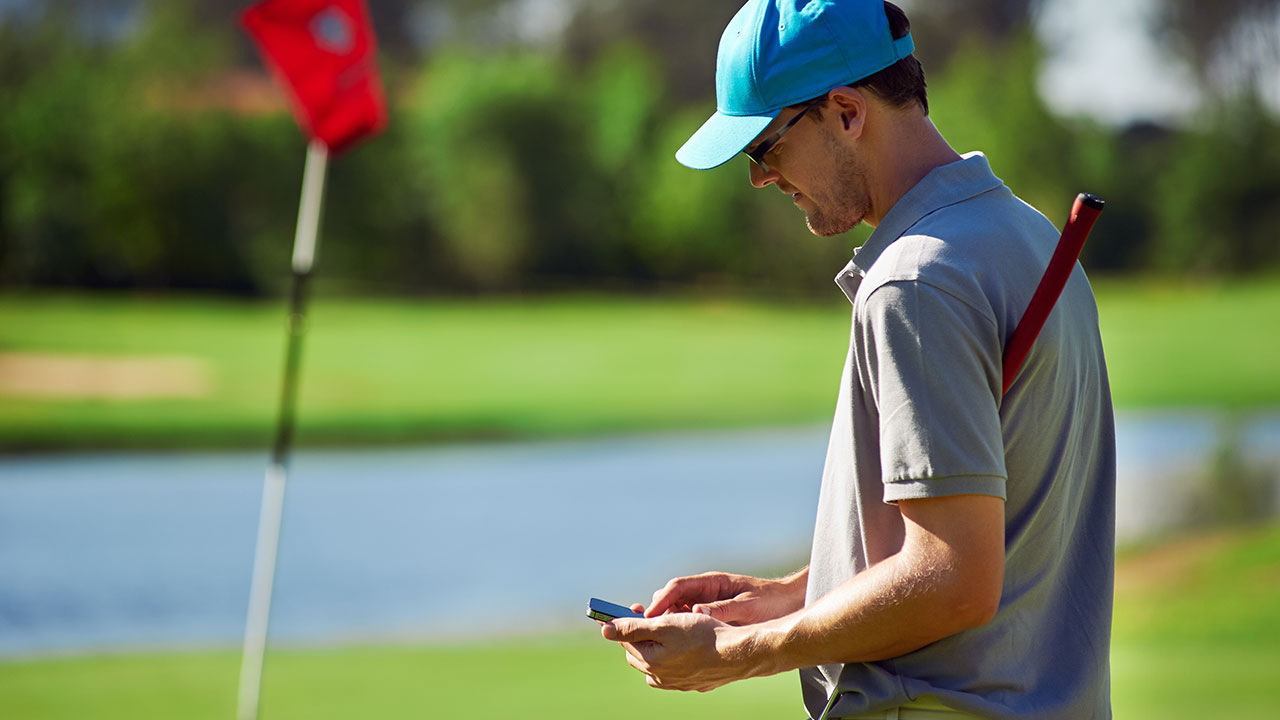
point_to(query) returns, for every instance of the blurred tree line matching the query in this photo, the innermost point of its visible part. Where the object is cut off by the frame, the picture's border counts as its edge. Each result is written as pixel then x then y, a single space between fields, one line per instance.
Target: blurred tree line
pixel 141 146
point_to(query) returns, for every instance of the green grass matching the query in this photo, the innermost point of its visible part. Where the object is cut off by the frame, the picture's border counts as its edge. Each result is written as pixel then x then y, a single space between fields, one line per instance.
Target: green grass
pixel 391 371
pixel 1192 345
pixel 559 678
pixel 1197 628
pixel 1196 632
pixel 378 371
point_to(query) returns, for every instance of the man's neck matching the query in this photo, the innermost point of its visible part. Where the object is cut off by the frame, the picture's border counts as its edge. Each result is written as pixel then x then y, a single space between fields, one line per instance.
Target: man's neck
pixel 910 151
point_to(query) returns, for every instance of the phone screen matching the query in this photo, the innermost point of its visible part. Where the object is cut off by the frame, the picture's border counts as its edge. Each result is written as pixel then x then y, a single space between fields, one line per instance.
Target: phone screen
pixel 605 611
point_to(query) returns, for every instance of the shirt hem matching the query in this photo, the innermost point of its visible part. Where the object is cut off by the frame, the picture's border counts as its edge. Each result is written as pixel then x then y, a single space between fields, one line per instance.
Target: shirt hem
pixel 944 486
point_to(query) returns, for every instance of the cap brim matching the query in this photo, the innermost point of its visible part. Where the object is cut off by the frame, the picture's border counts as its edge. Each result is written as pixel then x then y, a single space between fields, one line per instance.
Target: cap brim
pixel 720 138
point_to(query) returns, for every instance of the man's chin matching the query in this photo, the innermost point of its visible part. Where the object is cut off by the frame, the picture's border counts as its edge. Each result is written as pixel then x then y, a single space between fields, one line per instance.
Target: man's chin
pixel 823 227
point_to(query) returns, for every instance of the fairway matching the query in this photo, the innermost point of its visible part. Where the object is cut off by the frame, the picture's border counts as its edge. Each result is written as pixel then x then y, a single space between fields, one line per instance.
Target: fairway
pixel 1197 634
pixel 206 373
pixel 1200 345
pixel 397 371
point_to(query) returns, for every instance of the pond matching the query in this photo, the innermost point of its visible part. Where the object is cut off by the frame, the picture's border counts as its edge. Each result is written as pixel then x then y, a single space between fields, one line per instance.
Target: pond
pixel 125 551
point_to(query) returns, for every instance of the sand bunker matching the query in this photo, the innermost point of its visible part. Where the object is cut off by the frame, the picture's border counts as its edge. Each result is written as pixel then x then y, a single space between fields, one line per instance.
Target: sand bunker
pixel 102 377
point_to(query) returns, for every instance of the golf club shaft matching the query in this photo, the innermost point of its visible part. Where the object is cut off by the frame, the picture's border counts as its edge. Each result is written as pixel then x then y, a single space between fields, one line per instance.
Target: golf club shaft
pixel 1084 212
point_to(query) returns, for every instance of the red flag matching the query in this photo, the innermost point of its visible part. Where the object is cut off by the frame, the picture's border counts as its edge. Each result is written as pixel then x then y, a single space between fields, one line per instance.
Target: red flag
pixel 324 53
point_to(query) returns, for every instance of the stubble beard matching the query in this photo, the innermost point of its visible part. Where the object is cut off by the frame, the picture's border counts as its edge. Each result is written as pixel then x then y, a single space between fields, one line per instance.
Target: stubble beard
pixel 848 202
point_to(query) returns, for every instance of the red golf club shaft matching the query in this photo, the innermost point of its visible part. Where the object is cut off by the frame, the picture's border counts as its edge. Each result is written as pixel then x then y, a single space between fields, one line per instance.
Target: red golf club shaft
pixel 1083 214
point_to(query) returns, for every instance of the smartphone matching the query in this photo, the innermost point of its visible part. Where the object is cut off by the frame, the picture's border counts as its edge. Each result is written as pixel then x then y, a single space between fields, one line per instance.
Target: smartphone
pixel 598 609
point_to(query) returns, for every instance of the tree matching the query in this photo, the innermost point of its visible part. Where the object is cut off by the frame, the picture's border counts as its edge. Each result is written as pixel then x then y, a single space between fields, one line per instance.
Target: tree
pixel 1232 45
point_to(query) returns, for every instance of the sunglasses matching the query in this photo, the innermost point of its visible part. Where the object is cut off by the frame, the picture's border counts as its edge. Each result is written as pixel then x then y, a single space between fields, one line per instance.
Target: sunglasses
pixel 758 152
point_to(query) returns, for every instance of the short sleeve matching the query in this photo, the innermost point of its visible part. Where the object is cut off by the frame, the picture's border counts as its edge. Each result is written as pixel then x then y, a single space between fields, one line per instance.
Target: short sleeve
pixel 933 371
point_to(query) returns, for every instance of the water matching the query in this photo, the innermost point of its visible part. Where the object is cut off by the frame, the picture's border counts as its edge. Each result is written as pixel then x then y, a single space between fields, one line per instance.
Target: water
pixel 1162 465
pixel 136 550
pixel 155 550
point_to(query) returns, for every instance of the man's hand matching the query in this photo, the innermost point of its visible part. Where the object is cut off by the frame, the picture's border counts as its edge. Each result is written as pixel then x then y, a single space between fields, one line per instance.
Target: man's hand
pixel 683 651
pixel 946 578
pixel 732 599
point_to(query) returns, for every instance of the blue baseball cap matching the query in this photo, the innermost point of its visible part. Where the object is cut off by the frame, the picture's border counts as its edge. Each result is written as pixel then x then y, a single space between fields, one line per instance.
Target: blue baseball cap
pixel 776 53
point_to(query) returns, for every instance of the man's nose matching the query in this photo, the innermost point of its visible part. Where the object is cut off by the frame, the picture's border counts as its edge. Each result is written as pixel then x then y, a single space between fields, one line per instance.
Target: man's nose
pixel 762 178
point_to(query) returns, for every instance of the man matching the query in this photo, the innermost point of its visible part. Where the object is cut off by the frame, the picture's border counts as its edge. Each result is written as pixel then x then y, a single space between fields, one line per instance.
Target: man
pixel 964 547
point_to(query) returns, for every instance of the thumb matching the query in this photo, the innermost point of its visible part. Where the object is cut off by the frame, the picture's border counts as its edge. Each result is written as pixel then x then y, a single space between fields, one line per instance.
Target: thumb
pixel 726 611
pixel 627 630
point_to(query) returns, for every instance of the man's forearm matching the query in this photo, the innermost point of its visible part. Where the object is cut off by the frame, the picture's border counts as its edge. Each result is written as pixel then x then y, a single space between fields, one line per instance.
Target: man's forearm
pixel 901 604
pixel 947 577
pixel 881 613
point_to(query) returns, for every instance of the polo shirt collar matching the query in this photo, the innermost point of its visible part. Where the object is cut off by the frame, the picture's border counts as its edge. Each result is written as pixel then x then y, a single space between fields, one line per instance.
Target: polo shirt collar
pixel 954 182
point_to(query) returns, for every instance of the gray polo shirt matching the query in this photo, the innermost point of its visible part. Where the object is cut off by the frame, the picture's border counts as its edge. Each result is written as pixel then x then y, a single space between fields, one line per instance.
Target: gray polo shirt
pixel 936 291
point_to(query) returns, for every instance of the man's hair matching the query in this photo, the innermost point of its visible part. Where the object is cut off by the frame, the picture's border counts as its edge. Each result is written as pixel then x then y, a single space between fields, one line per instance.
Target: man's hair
pixel 900 84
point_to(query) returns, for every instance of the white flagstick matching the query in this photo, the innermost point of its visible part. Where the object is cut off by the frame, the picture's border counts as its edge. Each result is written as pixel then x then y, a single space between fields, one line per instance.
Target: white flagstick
pixel 264 561
pixel 304 242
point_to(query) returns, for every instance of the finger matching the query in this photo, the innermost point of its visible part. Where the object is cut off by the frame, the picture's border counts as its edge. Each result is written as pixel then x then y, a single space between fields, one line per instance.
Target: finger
pixel 657 683
pixel 634 658
pixel 646 652
pixel 666 596
pixel 726 611
pixel 630 630
pixel 681 591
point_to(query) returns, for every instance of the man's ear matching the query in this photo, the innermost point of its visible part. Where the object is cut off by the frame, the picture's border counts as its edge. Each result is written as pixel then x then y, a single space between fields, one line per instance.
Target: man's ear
pixel 850 108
